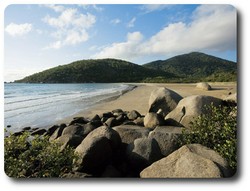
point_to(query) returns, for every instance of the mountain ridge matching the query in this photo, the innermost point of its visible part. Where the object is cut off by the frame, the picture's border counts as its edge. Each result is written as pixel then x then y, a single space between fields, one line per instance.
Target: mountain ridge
pixel 189 67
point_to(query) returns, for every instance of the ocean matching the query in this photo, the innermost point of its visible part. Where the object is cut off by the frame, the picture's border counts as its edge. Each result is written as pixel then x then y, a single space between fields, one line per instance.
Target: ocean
pixel 42 105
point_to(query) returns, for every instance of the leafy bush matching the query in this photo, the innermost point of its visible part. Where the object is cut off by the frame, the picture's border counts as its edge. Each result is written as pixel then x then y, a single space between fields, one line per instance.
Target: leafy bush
pixel 32 157
pixel 216 130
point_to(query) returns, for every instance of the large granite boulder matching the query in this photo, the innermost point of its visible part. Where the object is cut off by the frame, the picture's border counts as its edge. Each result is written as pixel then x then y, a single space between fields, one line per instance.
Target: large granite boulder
pixel 143 152
pixel 163 99
pixel 129 133
pixel 69 140
pixel 95 153
pixel 190 161
pixel 78 129
pixel 203 86
pixel 189 108
pixel 152 120
pixel 167 138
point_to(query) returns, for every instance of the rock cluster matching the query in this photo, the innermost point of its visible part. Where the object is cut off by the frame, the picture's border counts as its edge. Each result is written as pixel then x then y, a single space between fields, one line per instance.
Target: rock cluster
pixel 128 144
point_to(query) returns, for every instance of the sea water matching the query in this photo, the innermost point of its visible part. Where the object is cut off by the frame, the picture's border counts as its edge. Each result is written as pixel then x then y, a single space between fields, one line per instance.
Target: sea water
pixel 41 105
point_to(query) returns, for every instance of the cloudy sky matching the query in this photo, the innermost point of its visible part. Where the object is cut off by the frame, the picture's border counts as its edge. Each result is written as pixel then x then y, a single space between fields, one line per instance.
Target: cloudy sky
pixel 39 37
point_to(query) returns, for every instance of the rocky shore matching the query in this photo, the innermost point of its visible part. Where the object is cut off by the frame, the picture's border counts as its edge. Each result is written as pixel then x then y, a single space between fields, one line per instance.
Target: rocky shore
pixel 121 143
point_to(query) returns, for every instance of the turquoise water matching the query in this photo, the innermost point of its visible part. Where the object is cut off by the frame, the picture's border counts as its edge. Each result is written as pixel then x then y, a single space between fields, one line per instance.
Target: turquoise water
pixel 41 105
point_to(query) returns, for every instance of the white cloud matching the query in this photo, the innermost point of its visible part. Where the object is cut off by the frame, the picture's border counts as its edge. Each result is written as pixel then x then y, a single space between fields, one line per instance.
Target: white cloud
pixel 95 7
pixel 71 27
pixel 115 21
pixel 18 29
pixel 56 8
pixel 122 50
pixel 131 23
pixel 154 7
pixel 213 28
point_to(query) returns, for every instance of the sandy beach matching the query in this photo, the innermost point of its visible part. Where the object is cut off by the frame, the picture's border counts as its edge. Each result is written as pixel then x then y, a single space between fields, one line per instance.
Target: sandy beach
pixel 137 99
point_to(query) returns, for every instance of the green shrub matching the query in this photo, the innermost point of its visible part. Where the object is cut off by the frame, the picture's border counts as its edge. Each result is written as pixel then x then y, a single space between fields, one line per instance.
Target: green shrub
pixel 216 130
pixel 31 157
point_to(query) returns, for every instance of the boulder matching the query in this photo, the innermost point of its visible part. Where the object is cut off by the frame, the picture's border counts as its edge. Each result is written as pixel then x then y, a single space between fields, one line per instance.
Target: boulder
pixel 96 121
pixel 164 99
pixel 132 115
pixel 139 121
pixel 189 108
pixel 109 133
pixel 111 122
pixel 107 115
pixel 52 129
pixel 39 132
pixel 95 153
pixel 190 161
pixel 73 130
pixel 231 98
pixel 57 133
pixel 111 172
pixel 117 112
pixel 129 123
pixel 167 138
pixel 152 120
pixel 69 140
pixel 121 118
pixel 203 86
pixel 129 133
pixel 26 128
pixel 143 152
pixel 77 129
pixel 79 120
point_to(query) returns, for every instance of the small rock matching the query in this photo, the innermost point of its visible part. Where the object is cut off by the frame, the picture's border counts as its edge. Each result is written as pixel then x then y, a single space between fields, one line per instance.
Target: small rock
pixel 117 112
pixel 111 122
pixel 132 115
pixel 107 115
pixel 80 120
pixel 27 128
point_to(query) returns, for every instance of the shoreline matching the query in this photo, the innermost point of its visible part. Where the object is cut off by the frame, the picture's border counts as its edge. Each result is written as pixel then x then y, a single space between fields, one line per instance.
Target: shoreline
pixel 137 98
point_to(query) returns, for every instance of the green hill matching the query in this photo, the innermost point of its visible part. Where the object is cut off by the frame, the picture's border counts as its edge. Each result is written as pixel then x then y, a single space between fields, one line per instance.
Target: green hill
pixel 197 66
pixel 99 71
pixel 190 67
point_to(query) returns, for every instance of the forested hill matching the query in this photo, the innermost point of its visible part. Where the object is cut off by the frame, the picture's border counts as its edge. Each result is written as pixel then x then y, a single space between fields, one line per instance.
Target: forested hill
pixel 99 71
pixel 190 67
pixel 197 65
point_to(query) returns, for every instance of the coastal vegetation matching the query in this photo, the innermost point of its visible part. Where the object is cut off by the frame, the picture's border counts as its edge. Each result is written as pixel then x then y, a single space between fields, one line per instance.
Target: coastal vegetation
pixel 192 67
pixel 217 129
pixel 35 157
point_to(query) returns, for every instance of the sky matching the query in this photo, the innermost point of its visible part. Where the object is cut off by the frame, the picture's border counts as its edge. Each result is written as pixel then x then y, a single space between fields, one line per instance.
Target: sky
pixel 38 37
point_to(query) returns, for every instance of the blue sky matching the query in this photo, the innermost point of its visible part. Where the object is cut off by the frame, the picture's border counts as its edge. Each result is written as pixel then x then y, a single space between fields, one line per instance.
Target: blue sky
pixel 39 37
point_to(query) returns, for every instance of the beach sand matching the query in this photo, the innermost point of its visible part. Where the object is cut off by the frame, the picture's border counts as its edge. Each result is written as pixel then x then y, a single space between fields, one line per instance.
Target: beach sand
pixel 138 98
